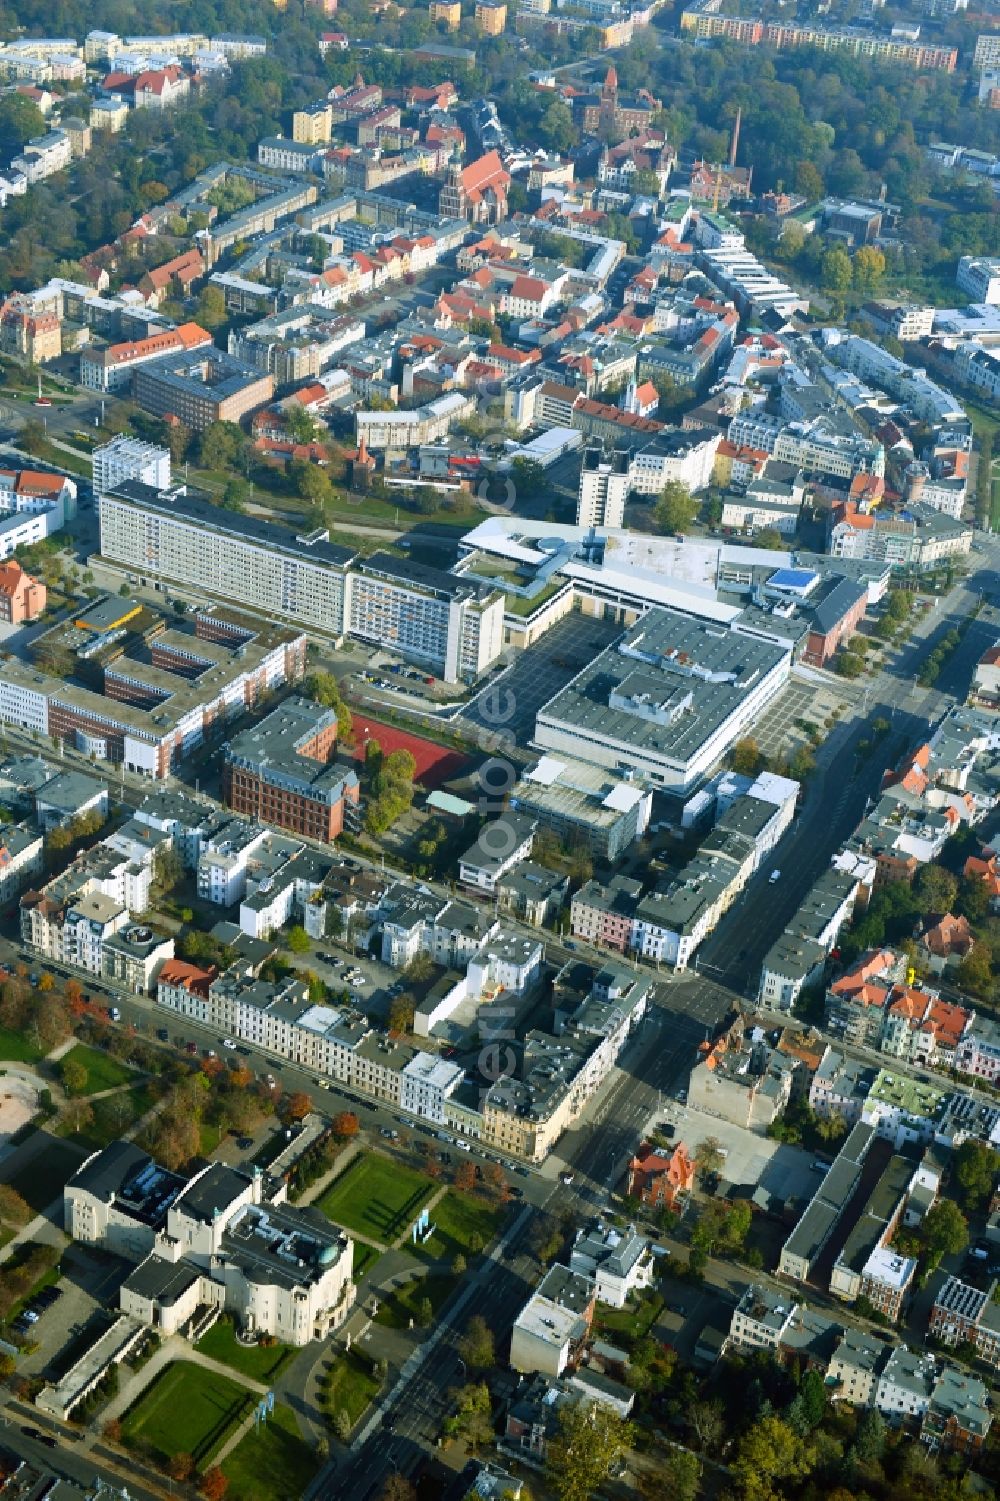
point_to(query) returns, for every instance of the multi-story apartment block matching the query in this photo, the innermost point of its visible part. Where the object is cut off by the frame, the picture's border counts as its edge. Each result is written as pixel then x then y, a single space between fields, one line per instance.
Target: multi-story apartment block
pixel 22 598
pixel 761 1318
pixel 967 1315
pixel 44 155
pixel 451 623
pixel 703 21
pixel 501 845
pixel 605 916
pixel 129 458
pixel 179 537
pixel 604 486
pixel 979 277
pixel 280 772
pixel 401 429
pixel 21 858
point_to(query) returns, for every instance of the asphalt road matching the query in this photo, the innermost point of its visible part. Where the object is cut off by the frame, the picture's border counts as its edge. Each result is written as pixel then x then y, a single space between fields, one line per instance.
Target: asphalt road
pixel 842 785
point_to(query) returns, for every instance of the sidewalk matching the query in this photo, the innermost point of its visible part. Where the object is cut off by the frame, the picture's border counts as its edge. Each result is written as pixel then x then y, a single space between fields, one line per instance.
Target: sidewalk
pixel 173 1348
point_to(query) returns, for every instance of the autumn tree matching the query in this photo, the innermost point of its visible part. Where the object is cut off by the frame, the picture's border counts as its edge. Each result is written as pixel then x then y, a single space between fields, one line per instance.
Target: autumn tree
pixel 213 1484
pixel 297 1105
pixel 73 1075
pixel 587 1445
pixel 476 1347
pixel 14 1210
pixel 465 1176
pixel 709 1157
pixel 78 1115
pixel 397 1487
pixel 745 757
pixel 401 1013
pixel 345 1125
pixel 181 1466
pixel 769 1453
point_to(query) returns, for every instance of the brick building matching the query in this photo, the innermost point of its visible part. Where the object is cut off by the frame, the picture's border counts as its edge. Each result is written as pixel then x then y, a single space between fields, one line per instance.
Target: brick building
pixel 281 773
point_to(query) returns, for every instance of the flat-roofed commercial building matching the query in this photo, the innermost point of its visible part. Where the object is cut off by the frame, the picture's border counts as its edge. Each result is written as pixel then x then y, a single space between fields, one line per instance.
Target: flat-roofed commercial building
pixel 148 717
pixel 667 701
pixel 200 388
pixel 580 802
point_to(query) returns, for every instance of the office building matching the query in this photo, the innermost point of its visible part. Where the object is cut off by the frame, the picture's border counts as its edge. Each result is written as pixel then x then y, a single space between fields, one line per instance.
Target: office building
pixel 201 388
pixel 666 701
pixel 113 368
pixel 280 772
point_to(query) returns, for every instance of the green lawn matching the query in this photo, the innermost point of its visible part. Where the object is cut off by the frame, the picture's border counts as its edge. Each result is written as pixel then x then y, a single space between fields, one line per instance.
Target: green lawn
pixel 352 1388
pixel 635 1319
pixel 15 1048
pixel 365 1257
pixel 518 604
pixel 397 1311
pixel 259 1362
pixel 187 1410
pixel 376 1197
pixel 103 1071
pixel 272 1463
pixel 457 1219
pixel 209 1137
pixel 40 1177
pixel 113 1116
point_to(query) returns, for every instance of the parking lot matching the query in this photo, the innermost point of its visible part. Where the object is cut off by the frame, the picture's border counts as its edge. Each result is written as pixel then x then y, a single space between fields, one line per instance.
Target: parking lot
pixel 89 1286
pixel 537 674
pixel 751 1160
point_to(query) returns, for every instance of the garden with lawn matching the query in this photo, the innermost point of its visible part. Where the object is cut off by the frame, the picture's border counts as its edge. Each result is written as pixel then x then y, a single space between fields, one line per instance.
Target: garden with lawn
pixel 271 1463
pixel 351 1386
pixel 365 1257
pixel 259 1362
pixel 462 1223
pixel 16 1048
pixel 186 1410
pixel 102 1071
pixel 405 1303
pixel 376 1197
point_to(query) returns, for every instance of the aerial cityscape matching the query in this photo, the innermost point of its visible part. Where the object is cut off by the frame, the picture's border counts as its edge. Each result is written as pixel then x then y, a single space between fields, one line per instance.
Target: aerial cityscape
pixel 499 750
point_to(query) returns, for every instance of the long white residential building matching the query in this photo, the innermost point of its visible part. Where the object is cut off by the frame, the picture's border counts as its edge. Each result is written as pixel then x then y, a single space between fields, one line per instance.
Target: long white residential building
pixel 451 624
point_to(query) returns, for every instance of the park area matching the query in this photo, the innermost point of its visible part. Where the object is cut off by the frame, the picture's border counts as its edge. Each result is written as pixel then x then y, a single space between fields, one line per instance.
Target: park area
pixel 376 1197
pixel 272 1462
pixel 88 1071
pixel 462 1223
pixel 435 764
pixel 186 1410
